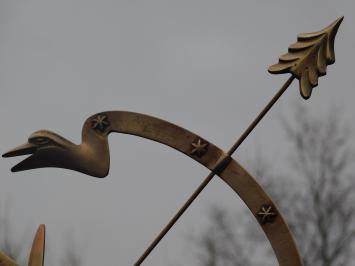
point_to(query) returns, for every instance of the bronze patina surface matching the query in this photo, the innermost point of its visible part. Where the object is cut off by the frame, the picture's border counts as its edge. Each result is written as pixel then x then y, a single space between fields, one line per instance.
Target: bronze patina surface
pixel 38 247
pixel 306 61
pixel 91 157
pixel 309 59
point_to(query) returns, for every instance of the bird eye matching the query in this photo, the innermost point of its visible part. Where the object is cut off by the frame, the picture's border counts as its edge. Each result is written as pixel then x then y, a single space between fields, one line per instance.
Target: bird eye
pixel 39 141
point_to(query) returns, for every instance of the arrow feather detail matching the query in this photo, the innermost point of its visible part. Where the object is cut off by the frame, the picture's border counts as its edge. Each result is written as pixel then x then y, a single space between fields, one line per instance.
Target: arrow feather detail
pixel 308 58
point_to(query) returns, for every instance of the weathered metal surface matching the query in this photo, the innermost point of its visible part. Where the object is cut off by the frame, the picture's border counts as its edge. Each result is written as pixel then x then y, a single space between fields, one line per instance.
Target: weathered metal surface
pixel 92 157
pixel 307 59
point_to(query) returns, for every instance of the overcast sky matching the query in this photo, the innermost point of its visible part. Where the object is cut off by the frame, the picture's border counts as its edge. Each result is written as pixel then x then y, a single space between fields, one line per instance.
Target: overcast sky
pixel 200 64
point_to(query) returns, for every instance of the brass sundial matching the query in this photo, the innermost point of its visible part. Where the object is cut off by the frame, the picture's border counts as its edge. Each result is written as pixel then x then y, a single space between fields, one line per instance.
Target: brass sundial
pixel 306 60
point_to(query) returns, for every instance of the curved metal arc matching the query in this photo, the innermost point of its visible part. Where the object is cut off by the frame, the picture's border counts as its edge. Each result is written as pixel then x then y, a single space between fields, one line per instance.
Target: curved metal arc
pixel 212 157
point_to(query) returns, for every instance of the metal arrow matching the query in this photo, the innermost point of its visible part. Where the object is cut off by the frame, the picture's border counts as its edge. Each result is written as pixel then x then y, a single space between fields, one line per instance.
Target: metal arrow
pixel 306 60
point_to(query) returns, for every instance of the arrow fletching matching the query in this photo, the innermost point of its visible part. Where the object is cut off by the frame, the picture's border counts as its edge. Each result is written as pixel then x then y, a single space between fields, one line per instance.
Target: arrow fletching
pixel 308 58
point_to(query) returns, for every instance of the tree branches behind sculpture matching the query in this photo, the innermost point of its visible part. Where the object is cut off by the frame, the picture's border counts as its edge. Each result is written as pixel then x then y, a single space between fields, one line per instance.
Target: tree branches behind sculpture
pixel 8 244
pixel 73 253
pixel 18 249
pixel 316 194
pixel 72 258
pixel 323 214
pixel 221 245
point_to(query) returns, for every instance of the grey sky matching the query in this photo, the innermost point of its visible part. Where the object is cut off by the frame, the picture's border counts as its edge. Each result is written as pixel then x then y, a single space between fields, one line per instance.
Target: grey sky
pixel 199 64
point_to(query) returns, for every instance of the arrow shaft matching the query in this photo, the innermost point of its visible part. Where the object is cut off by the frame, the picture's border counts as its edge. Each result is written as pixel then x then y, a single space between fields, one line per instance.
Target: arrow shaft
pixel 261 115
pixel 175 218
pixel 206 181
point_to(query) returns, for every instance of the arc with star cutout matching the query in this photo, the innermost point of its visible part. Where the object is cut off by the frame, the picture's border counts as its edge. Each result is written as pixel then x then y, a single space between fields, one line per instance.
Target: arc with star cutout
pixel 92 157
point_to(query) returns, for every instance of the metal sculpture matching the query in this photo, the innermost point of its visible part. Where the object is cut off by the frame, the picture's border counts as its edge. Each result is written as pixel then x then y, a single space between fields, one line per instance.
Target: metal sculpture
pixel 306 60
pixel 36 254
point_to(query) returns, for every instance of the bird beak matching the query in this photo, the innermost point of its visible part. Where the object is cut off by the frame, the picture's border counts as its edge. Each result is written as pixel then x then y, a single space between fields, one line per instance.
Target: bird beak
pixel 24 149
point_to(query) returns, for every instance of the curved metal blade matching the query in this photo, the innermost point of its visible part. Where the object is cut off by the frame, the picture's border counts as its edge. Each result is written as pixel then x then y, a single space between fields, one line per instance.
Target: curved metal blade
pixel 37 251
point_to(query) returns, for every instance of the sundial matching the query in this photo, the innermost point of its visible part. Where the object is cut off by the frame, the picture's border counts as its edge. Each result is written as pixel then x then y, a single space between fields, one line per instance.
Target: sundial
pixel 306 60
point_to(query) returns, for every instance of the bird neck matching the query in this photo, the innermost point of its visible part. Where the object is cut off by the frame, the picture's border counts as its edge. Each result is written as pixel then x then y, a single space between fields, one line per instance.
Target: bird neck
pixel 94 152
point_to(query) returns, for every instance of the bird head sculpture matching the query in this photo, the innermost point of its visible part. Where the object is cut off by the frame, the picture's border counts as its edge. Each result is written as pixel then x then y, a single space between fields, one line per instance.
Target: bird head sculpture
pixel 48 149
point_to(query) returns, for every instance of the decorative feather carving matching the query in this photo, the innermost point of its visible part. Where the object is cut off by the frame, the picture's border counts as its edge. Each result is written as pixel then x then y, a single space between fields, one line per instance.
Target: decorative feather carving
pixel 307 59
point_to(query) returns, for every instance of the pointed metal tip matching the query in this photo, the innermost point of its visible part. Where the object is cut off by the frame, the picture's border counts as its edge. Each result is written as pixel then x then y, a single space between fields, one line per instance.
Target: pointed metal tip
pixel 41 229
pixel 38 246
pixel 23 149
pixel 339 21
pixel 335 25
pixel 7 154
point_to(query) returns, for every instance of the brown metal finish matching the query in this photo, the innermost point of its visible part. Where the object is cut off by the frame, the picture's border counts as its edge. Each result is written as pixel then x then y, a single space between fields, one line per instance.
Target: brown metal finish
pixel 219 167
pixel 92 157
pixel 38 246
pixel 317 51
pixel 267 214
pixel 36 254
pixel 314 52
pixel 6 261
pixel 307 59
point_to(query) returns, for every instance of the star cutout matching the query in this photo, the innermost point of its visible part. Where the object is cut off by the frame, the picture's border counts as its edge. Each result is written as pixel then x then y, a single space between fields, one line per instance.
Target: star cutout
pixel 100 122
pixel 199 148
pixel 266 214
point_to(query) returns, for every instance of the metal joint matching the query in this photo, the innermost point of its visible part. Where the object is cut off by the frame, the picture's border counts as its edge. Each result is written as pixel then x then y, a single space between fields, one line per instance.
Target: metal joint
pixel 221 164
